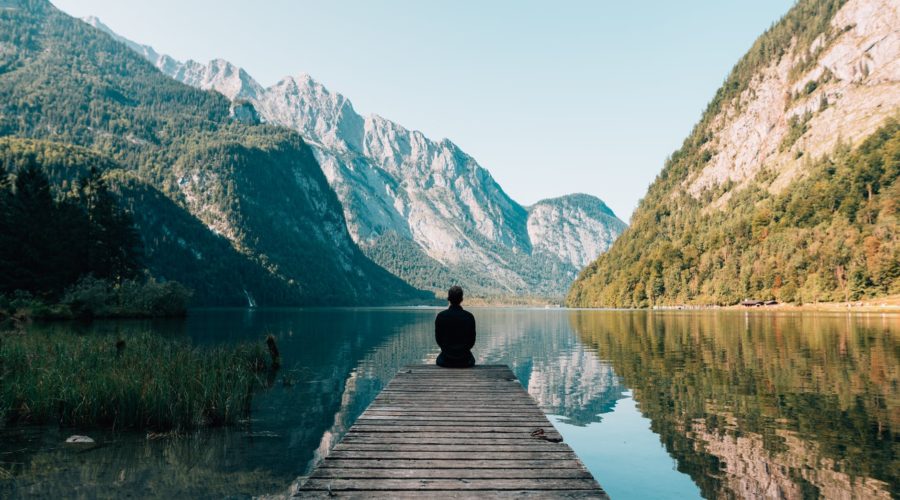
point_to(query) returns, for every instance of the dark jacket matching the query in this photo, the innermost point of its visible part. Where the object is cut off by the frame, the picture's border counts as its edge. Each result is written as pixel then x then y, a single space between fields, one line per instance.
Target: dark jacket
pixel 454 330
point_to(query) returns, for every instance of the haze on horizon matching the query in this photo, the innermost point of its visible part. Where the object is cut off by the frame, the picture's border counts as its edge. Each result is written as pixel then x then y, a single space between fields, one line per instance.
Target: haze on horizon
pixel 584 97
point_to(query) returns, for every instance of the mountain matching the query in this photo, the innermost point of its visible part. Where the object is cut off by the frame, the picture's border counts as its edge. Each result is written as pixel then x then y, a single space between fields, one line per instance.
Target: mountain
pixel 240 212
pixel 786 188
pixel 423 209
pixel 576 228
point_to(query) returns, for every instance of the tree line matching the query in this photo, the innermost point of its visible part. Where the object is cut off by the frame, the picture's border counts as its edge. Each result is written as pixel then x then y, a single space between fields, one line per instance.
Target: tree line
pixel 829 236
pixel 48 242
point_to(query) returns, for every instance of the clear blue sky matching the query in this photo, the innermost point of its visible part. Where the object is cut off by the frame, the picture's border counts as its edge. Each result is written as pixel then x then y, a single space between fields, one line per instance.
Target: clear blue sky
pixel 551 97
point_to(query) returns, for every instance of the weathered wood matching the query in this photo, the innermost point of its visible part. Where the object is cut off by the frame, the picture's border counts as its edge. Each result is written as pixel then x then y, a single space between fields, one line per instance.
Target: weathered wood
pixel 453 455
pixel 474 405
pixel 435 432
pixel 472 448
pixel 483 408
pixel 458 427
pixel 432 397
pixel 431 412
pixel 431 439
pixel 438 420
pixel 405 473
pixel 456 495
pixel 450 464
pixel 443 437
pixel 449 484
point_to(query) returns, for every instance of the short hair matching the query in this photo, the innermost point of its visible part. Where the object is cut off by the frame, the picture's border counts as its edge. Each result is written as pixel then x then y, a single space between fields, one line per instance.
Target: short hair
pixel 455 294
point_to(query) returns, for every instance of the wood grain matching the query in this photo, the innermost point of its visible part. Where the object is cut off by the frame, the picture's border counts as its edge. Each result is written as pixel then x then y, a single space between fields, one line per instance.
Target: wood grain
pixel 450 433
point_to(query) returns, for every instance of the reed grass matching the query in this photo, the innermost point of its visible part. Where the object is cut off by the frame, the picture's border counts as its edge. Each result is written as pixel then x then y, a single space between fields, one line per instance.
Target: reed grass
pixel 141 381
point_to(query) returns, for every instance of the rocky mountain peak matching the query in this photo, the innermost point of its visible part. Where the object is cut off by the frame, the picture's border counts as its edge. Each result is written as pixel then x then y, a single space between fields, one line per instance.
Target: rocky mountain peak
pixel 578 227
pixel 325 117
pixel 424 209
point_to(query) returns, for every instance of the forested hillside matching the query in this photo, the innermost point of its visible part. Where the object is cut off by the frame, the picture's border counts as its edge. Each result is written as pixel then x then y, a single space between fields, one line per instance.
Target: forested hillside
pixel 82 230
pixel 233 210
pixel 424 209
pixel 786 188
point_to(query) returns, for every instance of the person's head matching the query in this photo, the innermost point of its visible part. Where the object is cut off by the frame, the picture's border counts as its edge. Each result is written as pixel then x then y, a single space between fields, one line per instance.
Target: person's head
pixel 455 295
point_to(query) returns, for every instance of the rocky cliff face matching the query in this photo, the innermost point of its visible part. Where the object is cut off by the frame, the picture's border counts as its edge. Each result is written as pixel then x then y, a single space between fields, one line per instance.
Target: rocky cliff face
pixel 839 89
pixel 784 188
pixel 423 209
pixel 576 228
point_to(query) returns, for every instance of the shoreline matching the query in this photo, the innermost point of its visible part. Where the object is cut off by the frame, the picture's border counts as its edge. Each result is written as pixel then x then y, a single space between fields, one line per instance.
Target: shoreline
pixel 890 303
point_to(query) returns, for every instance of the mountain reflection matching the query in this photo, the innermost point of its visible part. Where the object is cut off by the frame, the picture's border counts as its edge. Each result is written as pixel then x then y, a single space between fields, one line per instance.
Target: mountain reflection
pixel 561 374
pixel 764 405
pixel 748 405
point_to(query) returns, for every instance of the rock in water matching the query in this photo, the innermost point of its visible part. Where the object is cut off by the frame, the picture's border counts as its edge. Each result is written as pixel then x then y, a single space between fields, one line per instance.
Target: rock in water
pixel 76 439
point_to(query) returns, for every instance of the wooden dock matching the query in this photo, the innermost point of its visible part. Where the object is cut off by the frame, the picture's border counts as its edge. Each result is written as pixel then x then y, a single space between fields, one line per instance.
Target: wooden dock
pixel 452 433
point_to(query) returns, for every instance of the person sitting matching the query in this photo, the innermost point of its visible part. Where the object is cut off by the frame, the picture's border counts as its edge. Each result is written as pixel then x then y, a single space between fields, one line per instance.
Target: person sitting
pixel 454 330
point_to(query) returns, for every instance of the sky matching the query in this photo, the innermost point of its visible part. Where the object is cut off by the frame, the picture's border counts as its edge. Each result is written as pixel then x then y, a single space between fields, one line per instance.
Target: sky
pixel 552 97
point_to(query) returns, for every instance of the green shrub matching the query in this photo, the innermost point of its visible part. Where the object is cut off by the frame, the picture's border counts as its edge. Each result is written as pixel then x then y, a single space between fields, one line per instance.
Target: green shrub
pixel 92 297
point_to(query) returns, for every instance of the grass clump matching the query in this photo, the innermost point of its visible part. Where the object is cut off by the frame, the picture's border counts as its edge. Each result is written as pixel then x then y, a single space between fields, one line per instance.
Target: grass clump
pixel 139 382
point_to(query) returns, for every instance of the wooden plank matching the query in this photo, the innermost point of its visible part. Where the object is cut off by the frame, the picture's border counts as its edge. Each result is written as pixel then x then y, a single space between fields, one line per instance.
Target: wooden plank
pixel 453 404
pixel 431 439
pixel 471 448
pixel 441 412
pixel 445 433
pixel 458 404
pixel 454 455
pixel 450 464
pixel 432 397
pixel 452 427
pixel 444 437
pixel 474 397
pixel 438 405
pixel 469 417
pixel 449 484
pixel 452 434
pixel 440 415
pixel 457 495
pixel 466 495
pixel 481 368
pixel 437 388
pixel 452 392
pixel 439 419
pixel 500 384
pixel 449 408
pixel 404 473
pixel 429 412
pixel 437 383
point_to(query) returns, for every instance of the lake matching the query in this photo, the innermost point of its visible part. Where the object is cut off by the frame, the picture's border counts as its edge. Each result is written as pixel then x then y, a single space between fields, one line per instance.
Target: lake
pixel 657 404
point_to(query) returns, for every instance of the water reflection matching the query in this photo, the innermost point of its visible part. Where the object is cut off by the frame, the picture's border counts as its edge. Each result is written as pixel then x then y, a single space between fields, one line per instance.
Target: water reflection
pixel 748 405
pixel 764 405
pixel 336 362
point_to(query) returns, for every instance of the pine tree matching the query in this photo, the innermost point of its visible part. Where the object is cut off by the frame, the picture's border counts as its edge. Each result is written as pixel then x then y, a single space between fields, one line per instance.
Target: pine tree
pixel 30 214
pixel 6 242
pixel 113 244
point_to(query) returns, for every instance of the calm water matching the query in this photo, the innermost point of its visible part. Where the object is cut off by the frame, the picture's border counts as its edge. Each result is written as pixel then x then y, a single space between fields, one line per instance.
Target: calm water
pixel 657 405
